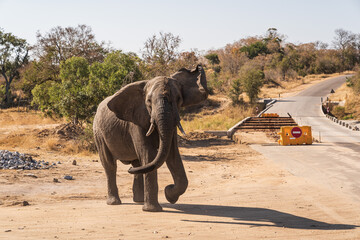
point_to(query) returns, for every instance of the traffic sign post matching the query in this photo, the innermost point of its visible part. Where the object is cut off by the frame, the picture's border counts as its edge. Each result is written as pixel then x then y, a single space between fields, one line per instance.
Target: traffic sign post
pixel 296 132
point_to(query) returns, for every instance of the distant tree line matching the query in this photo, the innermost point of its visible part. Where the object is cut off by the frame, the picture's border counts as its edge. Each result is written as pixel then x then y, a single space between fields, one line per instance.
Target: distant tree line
pixel 274 61
pixel 67 72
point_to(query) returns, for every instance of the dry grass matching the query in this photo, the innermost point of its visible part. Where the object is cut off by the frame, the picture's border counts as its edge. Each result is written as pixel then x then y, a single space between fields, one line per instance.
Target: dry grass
pixel 20 130
pixel 222 120
pixel 29 139
pixel 22 139
pixel 352 106
pixel 352 100
pixel 341 93
pixel 14 117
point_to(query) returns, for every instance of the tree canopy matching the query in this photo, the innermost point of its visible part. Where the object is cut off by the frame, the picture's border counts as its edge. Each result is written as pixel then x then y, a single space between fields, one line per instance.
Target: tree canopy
pixel 13 55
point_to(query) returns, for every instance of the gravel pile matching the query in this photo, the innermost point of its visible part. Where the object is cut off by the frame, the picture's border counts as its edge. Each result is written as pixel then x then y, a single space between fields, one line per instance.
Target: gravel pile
pixel 16 160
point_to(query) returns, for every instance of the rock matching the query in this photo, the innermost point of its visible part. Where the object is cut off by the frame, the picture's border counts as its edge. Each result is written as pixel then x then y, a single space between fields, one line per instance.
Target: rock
pixel 74 162
pixel 30 175
pixel 9 230
pixel 56 180
pixel 68 177
pixel 25 203
pixel 19 161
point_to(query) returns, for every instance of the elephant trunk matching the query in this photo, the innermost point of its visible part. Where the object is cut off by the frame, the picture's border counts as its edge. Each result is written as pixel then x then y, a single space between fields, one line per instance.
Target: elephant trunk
pixel 166 131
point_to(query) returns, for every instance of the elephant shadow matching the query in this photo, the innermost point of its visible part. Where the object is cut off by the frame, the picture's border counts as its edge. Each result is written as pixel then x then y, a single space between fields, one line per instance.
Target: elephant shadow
pixel 203 158
pixel 255 217
pixel 206 142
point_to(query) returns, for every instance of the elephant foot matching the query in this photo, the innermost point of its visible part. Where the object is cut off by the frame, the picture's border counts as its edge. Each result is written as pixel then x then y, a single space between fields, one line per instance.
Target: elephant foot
pixel 138 199
pixel 172 198
pixel 152 208
pixel 113 201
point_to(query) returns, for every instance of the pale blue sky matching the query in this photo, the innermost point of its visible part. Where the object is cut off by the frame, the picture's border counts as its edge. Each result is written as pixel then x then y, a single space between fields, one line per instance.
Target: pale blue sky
pixel 202 24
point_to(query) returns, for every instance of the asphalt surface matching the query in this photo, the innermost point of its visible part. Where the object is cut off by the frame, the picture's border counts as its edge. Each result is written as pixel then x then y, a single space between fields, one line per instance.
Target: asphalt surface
pixel 335 161
pixel 305 108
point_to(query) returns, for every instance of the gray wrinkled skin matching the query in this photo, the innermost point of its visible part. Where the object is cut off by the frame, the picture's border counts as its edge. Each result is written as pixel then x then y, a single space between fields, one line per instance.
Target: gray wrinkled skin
pixel 137 126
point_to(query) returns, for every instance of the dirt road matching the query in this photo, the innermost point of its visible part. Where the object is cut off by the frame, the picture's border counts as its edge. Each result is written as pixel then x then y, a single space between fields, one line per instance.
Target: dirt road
pixel 233 193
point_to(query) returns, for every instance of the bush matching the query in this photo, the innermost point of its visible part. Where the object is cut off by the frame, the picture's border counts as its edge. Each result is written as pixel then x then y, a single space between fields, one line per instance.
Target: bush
pixel 339 112
pixel 252 79
pixel 236 91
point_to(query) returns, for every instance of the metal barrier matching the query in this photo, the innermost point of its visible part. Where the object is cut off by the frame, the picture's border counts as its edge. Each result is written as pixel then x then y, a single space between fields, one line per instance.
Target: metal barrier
pixel 269 115
pixel 295 135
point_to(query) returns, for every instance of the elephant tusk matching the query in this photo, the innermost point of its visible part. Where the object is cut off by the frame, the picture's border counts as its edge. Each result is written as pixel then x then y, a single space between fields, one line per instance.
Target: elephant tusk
pixel 181 129
pixel 151 129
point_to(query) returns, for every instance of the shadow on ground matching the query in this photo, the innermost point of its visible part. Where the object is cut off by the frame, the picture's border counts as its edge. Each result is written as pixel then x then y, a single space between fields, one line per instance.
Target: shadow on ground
pixel 194 143
pixel 257 217
pixel 202 158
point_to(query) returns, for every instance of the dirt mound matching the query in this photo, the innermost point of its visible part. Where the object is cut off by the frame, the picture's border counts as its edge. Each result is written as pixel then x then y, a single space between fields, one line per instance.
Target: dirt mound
pixel 65 131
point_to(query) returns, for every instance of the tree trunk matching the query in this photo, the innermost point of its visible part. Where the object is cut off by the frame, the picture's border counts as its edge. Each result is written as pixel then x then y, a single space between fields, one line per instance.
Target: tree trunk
pixel 7 94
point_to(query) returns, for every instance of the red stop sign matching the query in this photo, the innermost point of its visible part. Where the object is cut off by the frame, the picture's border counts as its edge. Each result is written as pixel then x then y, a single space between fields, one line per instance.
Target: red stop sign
pixel 296 132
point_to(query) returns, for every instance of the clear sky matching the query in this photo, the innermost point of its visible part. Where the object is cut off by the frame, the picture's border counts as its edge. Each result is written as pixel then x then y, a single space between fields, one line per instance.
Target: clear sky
pixel 201 24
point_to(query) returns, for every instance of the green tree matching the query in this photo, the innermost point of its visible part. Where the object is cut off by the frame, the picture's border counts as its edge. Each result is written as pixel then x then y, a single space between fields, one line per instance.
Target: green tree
pixel 252 80
pixel 117 70
pixel 67 98
pixel 84 86
pixel 13 56
pixel 55 47
pixel 73 101
pixel 255 49
pixel 235 92
pixel 213 58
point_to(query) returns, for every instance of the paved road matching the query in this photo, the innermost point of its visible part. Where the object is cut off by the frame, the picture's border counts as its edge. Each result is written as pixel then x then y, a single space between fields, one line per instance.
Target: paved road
pixel 305 108
pixel 335 162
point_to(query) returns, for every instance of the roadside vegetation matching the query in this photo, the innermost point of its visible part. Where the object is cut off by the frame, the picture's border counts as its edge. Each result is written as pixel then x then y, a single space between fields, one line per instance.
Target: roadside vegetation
pixel 67 73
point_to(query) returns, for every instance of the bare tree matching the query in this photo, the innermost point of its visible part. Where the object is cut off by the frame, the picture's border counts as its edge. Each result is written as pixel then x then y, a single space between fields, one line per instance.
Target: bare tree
pixel 160 52
pixel 61 43
pixel 343 39
pixel 345 42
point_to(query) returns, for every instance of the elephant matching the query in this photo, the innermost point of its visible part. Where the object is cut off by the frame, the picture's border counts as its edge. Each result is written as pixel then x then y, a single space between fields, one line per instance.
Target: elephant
pixel 138 126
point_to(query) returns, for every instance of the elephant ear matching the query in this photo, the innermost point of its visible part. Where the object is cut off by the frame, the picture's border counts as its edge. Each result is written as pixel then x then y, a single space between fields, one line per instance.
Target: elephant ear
pixel 128 104
pixel 193 85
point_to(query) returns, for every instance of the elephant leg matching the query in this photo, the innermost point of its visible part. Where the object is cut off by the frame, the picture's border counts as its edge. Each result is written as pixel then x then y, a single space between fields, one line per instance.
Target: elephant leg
pixel 151 193
pixel 176 167
pixel 146 151
pixel 138 184
pixel 110 167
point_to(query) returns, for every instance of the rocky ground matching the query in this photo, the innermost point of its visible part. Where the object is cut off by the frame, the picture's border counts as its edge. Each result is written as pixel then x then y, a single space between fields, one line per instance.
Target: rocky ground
pixel 233 193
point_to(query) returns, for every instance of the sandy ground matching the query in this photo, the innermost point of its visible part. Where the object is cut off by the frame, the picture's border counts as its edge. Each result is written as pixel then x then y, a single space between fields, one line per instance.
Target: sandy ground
pixel 233 193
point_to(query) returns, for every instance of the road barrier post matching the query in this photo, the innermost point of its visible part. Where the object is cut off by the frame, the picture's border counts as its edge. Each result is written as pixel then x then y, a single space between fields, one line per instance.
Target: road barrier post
pixel 290 135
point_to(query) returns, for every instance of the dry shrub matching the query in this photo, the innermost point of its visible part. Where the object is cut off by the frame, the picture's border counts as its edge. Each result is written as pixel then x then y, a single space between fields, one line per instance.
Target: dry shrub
pixel 339 112
pixel 53 144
